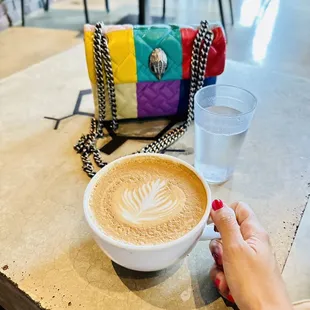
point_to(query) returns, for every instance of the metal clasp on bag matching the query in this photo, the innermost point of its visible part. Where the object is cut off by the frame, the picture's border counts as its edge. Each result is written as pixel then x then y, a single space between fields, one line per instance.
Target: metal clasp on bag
pixel 158 62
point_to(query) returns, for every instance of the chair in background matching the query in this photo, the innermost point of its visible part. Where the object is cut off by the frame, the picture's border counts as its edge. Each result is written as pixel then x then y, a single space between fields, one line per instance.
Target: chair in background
pixel 107 6
pixel 221 12
pixel 46 8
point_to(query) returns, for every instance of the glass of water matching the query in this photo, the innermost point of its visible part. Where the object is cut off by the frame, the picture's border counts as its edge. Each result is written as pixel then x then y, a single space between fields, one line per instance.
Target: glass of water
pixel 223 115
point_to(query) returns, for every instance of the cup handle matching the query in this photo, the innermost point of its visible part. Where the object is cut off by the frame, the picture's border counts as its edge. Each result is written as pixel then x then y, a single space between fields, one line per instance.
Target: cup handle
pixel 209 233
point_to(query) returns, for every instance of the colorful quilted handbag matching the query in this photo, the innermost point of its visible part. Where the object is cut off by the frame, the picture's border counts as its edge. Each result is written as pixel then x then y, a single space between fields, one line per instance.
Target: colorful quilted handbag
pixel 147 72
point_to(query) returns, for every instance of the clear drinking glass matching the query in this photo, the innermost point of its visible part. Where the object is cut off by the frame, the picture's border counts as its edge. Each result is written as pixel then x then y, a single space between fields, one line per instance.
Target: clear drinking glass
pixel 223 115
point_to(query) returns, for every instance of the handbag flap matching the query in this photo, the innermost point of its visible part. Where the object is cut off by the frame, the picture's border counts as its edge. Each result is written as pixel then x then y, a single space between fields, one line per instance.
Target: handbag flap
pixel 130 49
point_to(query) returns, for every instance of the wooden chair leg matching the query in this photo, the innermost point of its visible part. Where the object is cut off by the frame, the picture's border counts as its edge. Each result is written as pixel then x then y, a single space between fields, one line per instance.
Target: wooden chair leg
pixel 222 14
pixel 9 20
pixel 23 12
pixel 141 12
pixel 86 11
pixel 5 9
pixel 46 5
pixel 164 9
pixel 107 6
pixel 231 12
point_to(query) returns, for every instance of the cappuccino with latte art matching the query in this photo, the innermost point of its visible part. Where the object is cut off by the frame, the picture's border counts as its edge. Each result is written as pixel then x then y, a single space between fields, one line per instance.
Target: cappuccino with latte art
pixel 148 200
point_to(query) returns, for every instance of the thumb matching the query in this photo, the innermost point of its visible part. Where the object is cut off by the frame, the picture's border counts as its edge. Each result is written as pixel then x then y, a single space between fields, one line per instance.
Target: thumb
pixel 225 220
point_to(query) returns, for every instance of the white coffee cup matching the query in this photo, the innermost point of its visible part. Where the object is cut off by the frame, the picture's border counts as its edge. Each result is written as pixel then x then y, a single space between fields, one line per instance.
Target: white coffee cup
pixel 148 257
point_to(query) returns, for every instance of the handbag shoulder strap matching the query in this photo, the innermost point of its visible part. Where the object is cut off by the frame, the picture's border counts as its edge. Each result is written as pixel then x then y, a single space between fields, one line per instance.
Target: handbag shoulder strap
pixel 102 59
pixel 87 144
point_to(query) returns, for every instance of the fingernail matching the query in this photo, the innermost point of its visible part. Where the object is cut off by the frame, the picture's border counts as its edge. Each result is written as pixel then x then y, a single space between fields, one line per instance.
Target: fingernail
pixel 217 204
pixel 217 283
pixel 230 298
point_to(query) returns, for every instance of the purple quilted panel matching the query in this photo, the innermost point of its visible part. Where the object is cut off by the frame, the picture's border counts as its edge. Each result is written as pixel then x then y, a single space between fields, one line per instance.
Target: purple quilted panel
pixel 158 98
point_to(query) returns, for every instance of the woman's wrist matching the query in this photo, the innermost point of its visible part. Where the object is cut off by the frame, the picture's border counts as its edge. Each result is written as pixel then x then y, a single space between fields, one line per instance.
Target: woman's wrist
pixel 270 305
pixel 276 300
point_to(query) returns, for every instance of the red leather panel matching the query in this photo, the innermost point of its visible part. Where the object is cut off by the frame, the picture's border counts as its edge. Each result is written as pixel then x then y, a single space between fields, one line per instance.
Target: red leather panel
pixel 217 54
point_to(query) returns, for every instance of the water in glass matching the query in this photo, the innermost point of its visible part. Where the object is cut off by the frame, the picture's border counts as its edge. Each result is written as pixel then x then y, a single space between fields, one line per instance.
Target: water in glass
pixel 217 151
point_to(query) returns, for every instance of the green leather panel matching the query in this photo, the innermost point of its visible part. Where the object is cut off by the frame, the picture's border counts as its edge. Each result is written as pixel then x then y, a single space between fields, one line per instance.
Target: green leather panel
pixel 168 38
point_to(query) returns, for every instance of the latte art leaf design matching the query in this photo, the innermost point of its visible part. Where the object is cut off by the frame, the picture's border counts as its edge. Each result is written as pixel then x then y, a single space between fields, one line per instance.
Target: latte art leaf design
pixel 149 202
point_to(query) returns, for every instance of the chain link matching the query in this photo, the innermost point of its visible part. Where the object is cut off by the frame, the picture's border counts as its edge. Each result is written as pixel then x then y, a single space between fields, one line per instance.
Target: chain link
pixel 99 76
pixel 87 144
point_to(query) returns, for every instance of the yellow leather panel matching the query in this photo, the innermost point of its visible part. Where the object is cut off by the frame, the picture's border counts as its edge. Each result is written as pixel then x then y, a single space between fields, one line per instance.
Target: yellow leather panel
pixel 122 52
pixel 88 44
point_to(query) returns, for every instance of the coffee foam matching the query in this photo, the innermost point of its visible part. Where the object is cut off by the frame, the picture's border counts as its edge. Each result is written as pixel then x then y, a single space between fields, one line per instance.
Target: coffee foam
pixel 148 200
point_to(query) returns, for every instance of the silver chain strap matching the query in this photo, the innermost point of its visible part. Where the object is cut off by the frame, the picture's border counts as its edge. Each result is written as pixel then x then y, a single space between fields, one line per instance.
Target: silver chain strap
pixel 87 143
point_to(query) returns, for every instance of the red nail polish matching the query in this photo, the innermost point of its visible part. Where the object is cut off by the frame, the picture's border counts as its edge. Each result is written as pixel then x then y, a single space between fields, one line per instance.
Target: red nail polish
pixel 217 204
pixel 217 283
pixel 230 298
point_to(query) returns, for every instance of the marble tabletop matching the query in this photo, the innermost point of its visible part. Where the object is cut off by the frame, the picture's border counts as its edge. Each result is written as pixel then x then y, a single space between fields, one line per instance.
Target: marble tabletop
pixel 46 247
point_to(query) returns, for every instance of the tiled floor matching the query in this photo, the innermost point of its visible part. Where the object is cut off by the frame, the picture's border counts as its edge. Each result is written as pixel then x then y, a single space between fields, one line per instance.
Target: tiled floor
pixel 267 33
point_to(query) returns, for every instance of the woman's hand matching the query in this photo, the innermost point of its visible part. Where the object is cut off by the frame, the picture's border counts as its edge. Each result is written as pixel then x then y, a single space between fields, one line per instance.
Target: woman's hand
pixel 245 269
